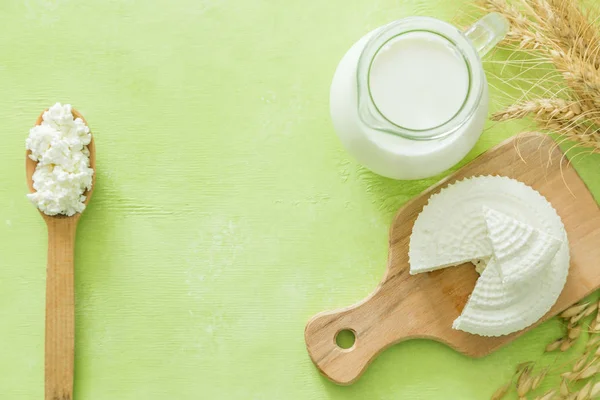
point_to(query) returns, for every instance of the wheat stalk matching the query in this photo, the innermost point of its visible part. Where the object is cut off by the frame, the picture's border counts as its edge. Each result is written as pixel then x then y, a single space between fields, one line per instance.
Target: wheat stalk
pixel 547 107
pixel 560 33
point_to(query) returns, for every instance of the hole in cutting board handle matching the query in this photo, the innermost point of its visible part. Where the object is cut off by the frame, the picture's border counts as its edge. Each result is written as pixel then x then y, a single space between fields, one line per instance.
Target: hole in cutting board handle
pixel 345 339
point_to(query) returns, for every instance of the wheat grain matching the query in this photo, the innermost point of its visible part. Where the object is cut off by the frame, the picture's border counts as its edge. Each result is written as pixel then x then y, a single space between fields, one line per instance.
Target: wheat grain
pixel 587 312
pixel 523 387
pixel 564 388
pixel 568 375
pixel 539 378
pixel 590 364
pixel 566 345
pixel 587 373
pixel 573 321
pixel 524 380
pixel 501 392
pixel 527 365
pixel 591 308
pixel 584 392
pixel 573 310
pixel 580 363
pixel 554 345
pixel 594 340
pixel 547 396
pixel 595 327
pixel 574 332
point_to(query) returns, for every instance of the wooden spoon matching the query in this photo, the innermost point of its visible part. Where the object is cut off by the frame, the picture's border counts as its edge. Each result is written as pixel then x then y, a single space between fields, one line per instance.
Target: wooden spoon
pixel 60 292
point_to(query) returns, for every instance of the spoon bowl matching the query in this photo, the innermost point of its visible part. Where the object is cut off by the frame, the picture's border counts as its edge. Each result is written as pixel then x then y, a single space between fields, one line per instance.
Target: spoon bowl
pixel 30 166
pixel 60 289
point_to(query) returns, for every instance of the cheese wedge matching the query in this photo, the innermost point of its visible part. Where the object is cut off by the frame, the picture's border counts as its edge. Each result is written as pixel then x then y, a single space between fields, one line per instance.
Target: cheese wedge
pixel 521 252
pixel 496 309
pixel 492 310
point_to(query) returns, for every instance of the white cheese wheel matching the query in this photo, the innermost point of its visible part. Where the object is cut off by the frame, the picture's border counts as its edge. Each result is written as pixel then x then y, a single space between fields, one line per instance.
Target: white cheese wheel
pixel 494 308
pixel 521 252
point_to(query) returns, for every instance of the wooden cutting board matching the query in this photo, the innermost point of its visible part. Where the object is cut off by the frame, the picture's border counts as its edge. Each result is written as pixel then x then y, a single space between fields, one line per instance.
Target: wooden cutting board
pixel 424 306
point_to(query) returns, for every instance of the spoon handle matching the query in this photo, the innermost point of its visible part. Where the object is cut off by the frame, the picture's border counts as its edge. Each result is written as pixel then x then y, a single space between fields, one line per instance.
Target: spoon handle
pixel 60 309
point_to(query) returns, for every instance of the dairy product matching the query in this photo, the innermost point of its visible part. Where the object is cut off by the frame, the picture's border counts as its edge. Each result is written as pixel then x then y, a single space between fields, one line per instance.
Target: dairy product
pixel 515 238
pixel 418 80
pixel 63 173
pixel 521 252
pixel 410 99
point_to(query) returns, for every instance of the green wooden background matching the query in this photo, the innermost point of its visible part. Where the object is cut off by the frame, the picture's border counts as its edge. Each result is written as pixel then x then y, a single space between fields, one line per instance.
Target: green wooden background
pixel 226 212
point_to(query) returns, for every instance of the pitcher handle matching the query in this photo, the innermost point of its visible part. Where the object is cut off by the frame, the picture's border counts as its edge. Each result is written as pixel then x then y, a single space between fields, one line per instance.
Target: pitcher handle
pixel 488 32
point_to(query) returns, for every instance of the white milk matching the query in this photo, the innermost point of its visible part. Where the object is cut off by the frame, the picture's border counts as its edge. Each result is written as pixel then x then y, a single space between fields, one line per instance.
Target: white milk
pixel 418 81
pixel 412 80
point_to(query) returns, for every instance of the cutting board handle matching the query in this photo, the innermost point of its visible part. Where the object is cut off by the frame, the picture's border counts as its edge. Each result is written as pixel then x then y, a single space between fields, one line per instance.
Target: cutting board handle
pixel 370 321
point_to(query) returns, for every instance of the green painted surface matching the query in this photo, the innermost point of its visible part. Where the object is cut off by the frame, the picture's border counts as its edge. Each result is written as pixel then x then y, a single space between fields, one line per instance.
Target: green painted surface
pixel 226 212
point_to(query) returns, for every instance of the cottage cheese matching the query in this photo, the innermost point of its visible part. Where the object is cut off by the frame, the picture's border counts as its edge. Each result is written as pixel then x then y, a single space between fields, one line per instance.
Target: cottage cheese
pixel 63 173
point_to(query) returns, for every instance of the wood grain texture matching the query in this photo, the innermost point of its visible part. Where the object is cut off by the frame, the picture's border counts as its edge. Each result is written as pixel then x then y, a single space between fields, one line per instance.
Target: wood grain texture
pixel 60 289
pixel 60 309
pixel 425 305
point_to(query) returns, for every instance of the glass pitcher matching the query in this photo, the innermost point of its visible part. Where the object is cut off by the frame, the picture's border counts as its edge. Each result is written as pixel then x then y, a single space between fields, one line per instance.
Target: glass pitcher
pixel 433 129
